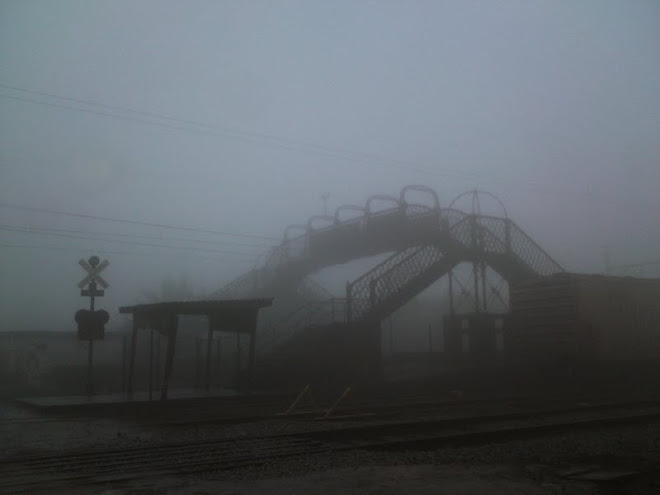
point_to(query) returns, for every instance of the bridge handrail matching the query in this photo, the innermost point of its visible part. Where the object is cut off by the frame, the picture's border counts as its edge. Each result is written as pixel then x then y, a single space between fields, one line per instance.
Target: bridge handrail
pixel 496 232
pixel 361 287
pixel 436 201
pixel 550 266
pixel 391 277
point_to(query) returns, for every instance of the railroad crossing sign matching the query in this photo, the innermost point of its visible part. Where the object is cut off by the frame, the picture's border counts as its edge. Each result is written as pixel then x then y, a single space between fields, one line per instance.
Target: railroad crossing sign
pixel 91 324
pixel 93 269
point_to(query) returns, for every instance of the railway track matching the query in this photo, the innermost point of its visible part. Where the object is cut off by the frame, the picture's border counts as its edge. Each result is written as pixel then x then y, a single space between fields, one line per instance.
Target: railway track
pixel 93 467
pixel 99 467
pixel 415 406
pixel 480 429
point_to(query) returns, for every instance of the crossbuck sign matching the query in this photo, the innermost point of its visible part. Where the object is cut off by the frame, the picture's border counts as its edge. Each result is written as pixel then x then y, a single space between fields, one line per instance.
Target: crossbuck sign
pixel 93 269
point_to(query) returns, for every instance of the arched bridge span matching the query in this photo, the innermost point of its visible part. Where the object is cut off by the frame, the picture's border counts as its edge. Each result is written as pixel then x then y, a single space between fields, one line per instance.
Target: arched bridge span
pixel 427 240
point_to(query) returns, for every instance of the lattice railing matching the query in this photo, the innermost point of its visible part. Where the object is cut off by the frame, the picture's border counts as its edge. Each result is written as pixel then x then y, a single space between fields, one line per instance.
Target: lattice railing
pixel 413 211
pixel 460 231
pixel 493 235
pixel 388 278
pixel 474 235
pixel 531 253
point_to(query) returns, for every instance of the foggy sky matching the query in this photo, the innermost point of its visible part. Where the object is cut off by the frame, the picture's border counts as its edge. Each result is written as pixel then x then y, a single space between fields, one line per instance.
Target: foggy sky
pixel 553 106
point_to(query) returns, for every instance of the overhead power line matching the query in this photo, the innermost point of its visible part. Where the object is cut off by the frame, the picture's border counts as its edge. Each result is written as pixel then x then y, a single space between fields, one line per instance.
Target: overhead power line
pixel 261 245
pixel 135 222
pixel 166 121
pixel 134 243
pixel 366 159
pixel 369 159
pixel 233 131
pixel 253 138
pixel 71 249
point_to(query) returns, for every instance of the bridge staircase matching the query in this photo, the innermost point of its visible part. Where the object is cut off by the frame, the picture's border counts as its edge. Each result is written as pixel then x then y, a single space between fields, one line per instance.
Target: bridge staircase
pixel 500 243
pixel 395 281
pixel 427 243
pixel 371 297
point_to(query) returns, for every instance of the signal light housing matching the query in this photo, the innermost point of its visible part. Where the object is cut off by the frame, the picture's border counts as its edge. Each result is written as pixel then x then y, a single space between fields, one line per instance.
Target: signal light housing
pixel 91 324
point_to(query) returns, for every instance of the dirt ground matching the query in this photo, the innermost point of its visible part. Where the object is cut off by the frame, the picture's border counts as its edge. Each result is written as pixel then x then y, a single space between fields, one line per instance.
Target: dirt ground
pixel 531 466
pixel 419 479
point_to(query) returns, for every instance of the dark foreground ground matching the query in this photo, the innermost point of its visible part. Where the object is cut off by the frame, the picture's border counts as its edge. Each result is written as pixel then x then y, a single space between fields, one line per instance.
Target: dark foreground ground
pixel 612 460
pixel 621 461
pixel 617 460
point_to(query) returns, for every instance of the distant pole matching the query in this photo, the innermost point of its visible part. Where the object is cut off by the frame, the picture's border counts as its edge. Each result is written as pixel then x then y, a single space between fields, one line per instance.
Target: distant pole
pixel 151 362
pixel 325 197
pixel 607 260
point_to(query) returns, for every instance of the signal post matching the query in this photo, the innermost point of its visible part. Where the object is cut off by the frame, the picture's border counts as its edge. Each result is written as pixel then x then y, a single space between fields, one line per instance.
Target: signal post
pixel 91 323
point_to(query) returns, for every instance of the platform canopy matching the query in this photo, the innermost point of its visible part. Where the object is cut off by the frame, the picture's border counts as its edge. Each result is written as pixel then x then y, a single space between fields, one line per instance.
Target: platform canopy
pixel 237 315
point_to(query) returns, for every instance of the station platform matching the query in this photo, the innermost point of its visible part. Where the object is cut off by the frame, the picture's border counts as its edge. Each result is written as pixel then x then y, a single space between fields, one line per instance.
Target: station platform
pixel 139 401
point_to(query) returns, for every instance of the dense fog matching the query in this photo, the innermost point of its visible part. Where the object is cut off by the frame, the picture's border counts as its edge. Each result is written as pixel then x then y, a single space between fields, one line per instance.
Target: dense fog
pixel 179 139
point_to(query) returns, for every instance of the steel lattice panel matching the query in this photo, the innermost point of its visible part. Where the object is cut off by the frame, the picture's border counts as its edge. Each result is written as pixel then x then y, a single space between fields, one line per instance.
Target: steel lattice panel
pixel 389 277
pixel 470 237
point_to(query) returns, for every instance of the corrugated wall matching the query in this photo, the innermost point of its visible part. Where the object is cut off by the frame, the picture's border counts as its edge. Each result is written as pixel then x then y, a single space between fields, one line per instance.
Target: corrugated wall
pixel 586 316
pixel 623 314
pixel 544 317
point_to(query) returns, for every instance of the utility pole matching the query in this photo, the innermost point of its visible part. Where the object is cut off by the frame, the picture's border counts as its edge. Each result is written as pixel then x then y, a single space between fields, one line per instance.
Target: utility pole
pixel 607 262
pixel 325 197
pixel 90 323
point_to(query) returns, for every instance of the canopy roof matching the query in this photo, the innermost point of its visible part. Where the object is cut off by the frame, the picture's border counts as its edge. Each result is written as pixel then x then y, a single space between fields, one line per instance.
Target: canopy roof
pixel 237 315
